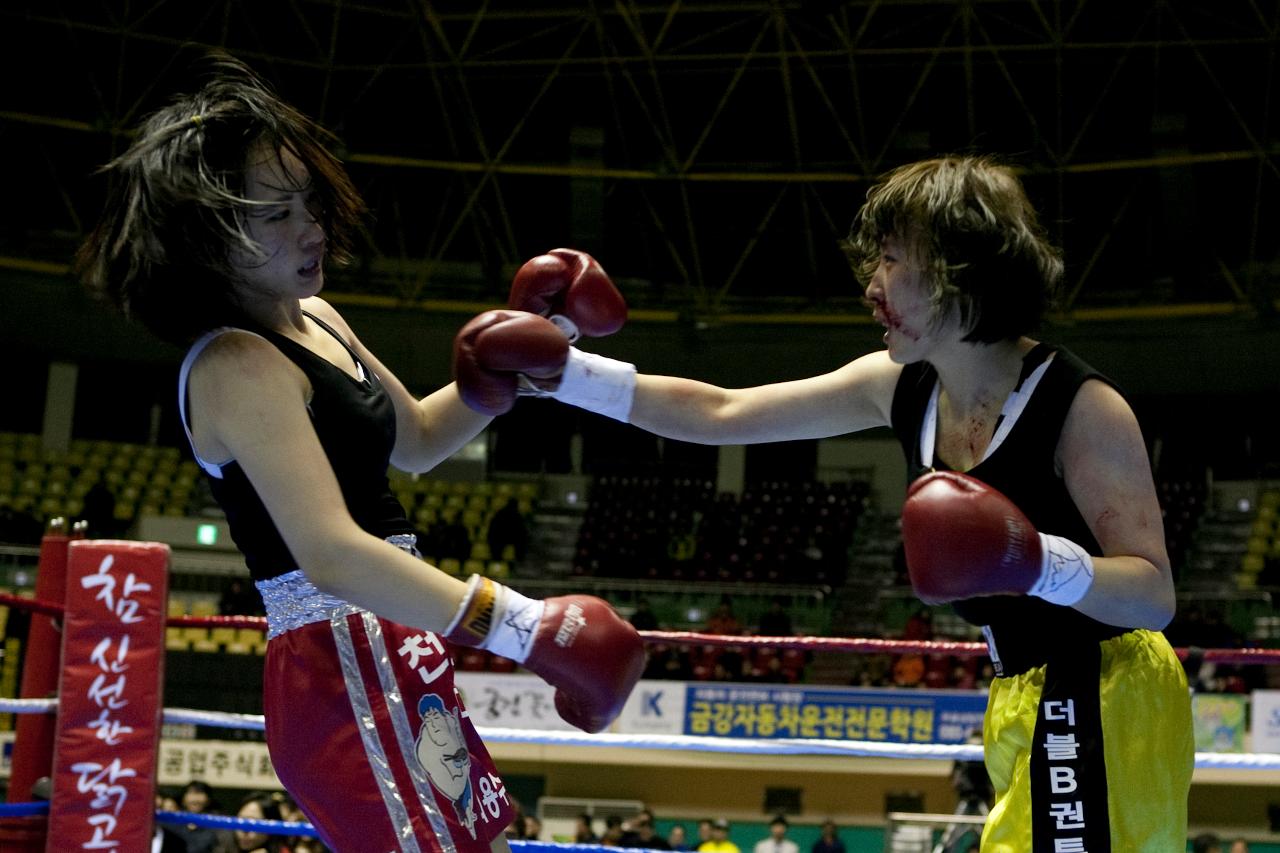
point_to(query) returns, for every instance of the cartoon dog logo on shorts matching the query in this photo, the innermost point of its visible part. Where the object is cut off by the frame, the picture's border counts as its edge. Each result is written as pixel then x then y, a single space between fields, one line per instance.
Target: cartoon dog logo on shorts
pixel 442 752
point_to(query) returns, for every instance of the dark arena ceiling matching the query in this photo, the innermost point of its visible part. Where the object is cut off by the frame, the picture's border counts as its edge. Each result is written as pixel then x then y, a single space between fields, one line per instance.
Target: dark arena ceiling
pixel 712 154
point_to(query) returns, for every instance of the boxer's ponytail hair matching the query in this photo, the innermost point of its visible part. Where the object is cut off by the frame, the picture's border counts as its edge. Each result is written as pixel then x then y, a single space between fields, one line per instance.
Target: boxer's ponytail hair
pixel 175 211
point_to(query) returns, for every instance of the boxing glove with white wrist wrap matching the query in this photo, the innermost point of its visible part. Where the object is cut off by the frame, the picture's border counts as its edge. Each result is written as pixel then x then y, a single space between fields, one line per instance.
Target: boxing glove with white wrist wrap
pixel 964 539
pixel 576 643
pixel 500 355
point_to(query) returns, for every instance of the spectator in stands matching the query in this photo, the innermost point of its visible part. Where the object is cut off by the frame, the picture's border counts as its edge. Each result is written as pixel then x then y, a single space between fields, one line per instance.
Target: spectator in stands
pixel 964 674
pixel 532 828
pixel 908 671
pixel 704 832
pixel 613 831
pixel 239 599
pixel 677 838
pixel 165 839
pixel 776 621
pixel 583 832
pixel 671 664
pixel 829 840
pixel 643 618
pixel 451 539
pixel 777 842
pixel 507 527
pixel 722 620
pixel 958 269
pixel 1206 842
pixel 259 806
pixel 919 625
pixel 198 798
pixel 289 811
pixel 166 801
pixel 719 841
pixel 99 511
pixel 1239 845
pixel 641 833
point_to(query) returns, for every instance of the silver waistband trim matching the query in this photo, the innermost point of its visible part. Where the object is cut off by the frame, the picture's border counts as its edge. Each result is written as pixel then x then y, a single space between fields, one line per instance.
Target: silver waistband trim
pixel 292 600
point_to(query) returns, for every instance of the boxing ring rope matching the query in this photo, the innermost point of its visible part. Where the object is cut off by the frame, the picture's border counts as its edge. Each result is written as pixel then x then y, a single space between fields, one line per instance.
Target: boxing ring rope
pixel 856 645
pixel 764 747
pixel 688 743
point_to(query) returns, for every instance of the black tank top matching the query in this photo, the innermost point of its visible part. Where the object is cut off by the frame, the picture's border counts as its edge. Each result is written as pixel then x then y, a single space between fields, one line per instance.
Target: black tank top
pixel 1025 630
pixel 356 424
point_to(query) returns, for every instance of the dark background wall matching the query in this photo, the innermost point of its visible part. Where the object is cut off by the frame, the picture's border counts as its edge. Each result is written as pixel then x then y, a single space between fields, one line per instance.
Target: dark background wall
pixel 712 155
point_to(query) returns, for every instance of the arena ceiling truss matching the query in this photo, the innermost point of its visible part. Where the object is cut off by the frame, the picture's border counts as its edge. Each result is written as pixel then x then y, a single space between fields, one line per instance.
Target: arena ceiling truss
pixel 712 154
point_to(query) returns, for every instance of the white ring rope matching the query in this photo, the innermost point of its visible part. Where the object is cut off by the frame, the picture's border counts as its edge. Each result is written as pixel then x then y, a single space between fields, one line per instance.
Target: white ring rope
pixel 742 746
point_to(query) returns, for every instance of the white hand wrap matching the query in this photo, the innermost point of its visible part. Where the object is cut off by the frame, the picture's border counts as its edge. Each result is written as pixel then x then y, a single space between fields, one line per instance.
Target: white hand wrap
pixel 597 384
pixel 496 618
pixel 1066 571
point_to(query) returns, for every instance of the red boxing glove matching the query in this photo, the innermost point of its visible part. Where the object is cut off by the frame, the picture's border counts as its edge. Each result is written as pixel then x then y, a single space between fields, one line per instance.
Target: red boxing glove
pixel 572 290
pixel 965 539
pixel 494 348
pixel 576 643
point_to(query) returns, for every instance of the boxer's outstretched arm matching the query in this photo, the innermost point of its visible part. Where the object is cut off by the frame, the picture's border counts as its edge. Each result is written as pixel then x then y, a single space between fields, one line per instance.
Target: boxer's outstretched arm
pixel 854 397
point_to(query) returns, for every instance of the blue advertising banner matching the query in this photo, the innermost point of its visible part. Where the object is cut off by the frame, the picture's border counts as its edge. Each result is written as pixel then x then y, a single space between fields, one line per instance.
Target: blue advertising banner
pixel 889 716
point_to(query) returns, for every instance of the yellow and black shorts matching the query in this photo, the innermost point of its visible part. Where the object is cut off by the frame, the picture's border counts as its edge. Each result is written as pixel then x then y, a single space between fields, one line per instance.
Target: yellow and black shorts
pixel 1092 751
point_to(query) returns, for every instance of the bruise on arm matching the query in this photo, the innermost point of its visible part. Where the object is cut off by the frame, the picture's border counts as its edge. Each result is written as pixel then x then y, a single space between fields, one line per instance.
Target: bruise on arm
pixel 1104 464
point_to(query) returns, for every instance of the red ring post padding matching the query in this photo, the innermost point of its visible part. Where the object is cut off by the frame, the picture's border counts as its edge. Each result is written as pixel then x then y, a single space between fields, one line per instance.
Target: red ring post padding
pixel 109 696
pixel 34 735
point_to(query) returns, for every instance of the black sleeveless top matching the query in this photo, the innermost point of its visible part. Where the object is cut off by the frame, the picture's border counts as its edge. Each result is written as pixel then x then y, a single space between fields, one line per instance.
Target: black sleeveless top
pixel 1025 630
pixel 356 424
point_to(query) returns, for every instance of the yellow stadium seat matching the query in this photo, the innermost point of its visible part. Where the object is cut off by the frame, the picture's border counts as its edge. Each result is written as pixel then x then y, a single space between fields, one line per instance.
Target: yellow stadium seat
pixel 200 640
pixel 498 569
pixel 204 607
pixel 473 567
pixel 480 551
pixel 175 640
pixel 253 638
pixel 222 636
pixel 451 566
